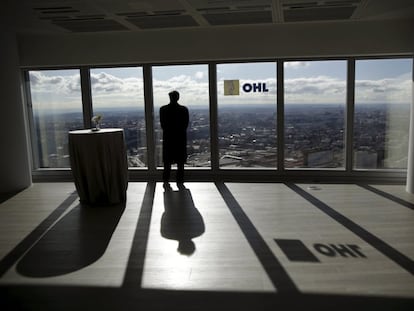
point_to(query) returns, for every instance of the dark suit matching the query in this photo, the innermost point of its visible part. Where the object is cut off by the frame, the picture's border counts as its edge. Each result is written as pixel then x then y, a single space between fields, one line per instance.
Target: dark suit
pixel 174 120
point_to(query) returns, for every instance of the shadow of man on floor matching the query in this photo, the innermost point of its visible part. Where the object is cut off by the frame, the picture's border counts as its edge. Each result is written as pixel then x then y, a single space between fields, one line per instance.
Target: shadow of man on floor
pixel 181 221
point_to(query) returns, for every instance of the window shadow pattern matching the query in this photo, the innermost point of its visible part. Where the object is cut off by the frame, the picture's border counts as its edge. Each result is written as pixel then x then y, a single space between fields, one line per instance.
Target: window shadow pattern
pixel 131 295
pixel 77 240
pixel 10 259
pixel 273 267
pixel 181 220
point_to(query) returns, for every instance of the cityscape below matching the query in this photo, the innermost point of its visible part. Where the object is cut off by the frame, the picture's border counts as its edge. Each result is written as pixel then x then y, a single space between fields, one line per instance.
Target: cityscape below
pixel 314 136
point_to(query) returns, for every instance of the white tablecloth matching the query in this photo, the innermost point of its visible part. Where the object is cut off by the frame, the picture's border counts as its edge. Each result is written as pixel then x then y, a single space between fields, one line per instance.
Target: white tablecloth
pixel 99 165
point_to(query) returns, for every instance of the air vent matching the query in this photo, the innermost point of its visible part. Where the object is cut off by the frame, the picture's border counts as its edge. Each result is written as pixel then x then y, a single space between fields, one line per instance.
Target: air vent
pixel 54 18
pixel 169 12
pixel 239 18
pixel 318 14
pixel 214 10
pixel 90 16
pixel 60 11
pixel 163 21
pixel 95 25
pixel 342 2
pixel 300 5
pixel 132 14
pixel 254 7
pixel 56 10
pixel 319 4
pixel 57 13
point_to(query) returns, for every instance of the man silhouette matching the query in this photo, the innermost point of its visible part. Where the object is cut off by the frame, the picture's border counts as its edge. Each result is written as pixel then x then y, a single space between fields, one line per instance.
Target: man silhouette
pixel 174 120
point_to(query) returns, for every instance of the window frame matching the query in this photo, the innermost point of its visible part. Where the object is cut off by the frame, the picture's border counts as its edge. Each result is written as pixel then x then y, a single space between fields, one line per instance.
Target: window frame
pixel 349 173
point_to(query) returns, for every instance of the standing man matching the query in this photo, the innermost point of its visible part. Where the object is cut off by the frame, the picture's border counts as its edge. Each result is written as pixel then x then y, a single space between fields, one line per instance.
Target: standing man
pixel 174 120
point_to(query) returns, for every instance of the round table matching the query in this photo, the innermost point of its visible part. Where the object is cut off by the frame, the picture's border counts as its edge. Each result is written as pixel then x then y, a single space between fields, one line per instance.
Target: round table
pixel 99 165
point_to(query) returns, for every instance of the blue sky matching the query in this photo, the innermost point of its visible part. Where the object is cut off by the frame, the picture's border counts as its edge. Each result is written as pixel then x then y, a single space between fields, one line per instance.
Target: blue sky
pixel 385 80
pixel 333 68
pixel 384 68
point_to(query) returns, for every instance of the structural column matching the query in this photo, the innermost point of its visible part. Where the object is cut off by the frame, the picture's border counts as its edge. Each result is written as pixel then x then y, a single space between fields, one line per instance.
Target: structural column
pixel 15 170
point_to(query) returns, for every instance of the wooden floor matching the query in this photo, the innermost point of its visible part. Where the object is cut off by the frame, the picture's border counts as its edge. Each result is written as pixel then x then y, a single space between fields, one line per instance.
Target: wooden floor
pixel 210 246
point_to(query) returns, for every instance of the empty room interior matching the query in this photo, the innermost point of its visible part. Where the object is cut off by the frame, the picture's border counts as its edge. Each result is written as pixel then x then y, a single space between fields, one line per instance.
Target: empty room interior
pixel 298 187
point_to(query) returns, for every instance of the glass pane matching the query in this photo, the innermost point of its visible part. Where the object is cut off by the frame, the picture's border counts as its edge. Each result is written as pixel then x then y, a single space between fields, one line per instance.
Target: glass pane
pixel 118 96
pixel 247 115
pixel 315 101
pixel 382 113
pixel 57 109
pixel 191 81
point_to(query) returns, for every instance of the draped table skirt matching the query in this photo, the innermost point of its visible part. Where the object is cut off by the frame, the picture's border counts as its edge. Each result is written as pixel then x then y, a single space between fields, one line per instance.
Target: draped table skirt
pixel 99 165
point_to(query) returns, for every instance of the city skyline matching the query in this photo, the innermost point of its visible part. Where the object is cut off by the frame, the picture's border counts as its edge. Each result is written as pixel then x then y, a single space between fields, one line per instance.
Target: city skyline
pixel 247 137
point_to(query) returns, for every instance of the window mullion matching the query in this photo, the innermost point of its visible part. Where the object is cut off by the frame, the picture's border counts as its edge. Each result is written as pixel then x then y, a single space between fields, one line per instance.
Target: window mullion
pixel 149 118
pixel 86 90
pixel 280 117
pixel 349 116
pixel 213 117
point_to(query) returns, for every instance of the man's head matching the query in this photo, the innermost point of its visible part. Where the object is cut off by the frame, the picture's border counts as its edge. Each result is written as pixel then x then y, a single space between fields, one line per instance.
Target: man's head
pixel 174 96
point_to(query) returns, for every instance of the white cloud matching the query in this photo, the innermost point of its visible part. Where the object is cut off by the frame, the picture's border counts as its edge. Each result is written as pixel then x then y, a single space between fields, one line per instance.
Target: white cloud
pixel 109 90
pixel 384 90
pixel 199 75
pixel 323 89
pixel 65 85
pixel 112 91
pixel 296 65
pixel 103 83
pixel 319 89
pixel 192 91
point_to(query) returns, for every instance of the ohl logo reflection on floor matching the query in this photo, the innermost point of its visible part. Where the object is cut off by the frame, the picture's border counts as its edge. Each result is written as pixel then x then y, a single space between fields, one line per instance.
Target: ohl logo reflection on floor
pixel 77 240
pixel 181 220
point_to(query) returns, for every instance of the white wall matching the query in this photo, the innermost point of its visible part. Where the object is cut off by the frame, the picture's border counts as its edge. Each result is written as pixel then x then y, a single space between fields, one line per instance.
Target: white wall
pixel 264 41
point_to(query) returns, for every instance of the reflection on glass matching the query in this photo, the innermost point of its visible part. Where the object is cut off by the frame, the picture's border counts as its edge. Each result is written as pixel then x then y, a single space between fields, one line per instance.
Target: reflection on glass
pixel 315 99
pixel 57 109
pixel 247 115
pixel 382 110
pixel 191 81
pixel 118 95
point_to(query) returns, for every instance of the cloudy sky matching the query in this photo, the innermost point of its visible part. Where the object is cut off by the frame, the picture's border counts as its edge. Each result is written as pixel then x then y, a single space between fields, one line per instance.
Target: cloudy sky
pixel 377 81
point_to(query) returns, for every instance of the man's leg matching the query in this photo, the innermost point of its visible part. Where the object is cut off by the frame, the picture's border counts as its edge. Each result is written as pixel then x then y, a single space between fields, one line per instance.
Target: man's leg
pixel 180 172
pixel 167 171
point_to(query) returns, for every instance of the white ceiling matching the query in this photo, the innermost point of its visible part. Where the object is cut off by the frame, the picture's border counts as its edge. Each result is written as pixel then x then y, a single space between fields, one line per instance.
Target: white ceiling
pixel 63 16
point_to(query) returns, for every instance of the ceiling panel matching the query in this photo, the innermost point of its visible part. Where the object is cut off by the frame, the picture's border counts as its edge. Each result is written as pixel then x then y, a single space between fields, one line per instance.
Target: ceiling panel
pixel 90 25
pixel 318 14
pixel 239 18
pixel 137 15
pixel 163 21
pixel 235 4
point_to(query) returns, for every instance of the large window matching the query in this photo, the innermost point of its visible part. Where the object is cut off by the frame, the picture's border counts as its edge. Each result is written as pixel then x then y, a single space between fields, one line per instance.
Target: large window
pixel 247 115
pixel 57 109
pixel 191 81
pixel 315 101
pixel 118 96
pixel 382 113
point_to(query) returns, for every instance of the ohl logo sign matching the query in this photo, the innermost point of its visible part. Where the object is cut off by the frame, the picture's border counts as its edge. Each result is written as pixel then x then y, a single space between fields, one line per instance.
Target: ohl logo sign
pixel 232 87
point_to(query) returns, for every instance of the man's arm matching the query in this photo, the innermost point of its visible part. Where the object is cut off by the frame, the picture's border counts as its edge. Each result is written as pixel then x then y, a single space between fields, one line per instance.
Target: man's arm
pixel 162 118
pixel 186 118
